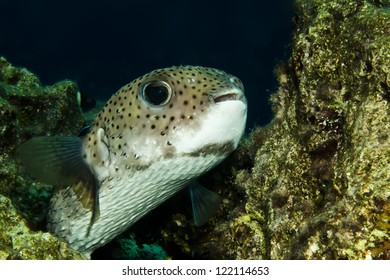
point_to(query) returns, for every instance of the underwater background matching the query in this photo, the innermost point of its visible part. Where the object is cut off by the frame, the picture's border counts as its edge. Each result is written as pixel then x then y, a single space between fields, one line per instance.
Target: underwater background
pixel 310 179
pixel 103 45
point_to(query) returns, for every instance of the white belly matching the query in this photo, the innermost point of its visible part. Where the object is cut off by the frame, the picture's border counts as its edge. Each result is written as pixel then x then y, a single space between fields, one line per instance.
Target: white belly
pixel 123 200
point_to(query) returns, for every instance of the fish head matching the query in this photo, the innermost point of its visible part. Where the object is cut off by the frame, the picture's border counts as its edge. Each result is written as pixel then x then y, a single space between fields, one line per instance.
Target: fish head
pixel 184 110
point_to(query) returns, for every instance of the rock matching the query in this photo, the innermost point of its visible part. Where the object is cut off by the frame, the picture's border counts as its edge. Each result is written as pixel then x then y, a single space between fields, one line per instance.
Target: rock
pixel 18 242
pixel 29 109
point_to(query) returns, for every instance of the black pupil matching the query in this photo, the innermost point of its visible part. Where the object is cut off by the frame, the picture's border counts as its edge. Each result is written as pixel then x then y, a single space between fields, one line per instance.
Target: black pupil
pixel 156 94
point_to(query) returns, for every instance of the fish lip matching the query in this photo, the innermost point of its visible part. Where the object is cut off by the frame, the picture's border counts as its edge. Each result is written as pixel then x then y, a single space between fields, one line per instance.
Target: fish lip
pixel 229 95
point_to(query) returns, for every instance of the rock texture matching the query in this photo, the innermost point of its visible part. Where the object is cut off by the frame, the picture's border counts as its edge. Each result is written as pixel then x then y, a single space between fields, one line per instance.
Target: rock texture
pixel 18 242
pixel 29 109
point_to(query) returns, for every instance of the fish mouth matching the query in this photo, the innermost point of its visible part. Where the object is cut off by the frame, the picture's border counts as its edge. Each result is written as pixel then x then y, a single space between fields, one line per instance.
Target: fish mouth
pixel 231 95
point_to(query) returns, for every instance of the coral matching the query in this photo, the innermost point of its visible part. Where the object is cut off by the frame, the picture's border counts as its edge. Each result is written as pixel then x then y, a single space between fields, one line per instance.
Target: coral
pixel 28 109
pixel 128 249
pixel 316 181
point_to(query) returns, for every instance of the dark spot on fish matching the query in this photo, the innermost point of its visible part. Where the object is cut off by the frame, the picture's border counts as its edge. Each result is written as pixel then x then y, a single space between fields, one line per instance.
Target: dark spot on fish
pixel 152 126
pixel 185 103
pixel 172 119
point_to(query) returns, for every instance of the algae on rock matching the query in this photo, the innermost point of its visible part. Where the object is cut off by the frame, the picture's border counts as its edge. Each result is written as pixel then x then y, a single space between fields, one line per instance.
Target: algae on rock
pixel 18 242
pixel 29 109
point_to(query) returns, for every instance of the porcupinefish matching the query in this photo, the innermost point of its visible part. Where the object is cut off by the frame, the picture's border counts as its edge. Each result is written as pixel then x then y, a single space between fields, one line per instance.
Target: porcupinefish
pixel 153 137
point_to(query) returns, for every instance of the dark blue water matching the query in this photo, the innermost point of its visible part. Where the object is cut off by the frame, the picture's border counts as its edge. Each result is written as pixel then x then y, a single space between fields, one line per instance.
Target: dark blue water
pixel 105 44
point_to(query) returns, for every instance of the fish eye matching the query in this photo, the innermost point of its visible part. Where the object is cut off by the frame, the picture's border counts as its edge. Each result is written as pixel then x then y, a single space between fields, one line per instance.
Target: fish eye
pixel 156 93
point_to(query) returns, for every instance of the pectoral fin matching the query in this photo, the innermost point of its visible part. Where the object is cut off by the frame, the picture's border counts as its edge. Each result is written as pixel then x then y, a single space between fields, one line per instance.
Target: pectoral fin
pixel 205 203
pixel 58 161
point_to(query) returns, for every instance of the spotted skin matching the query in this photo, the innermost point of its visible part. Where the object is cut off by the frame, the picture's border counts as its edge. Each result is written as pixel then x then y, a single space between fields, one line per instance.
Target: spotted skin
pixel 126 115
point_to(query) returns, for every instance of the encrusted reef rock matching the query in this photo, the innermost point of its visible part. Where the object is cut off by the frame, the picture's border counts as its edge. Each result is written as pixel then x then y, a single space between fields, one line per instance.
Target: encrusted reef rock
pixel 29 109
pixel 319 183
pixel 18 242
